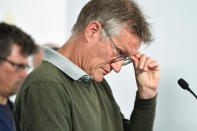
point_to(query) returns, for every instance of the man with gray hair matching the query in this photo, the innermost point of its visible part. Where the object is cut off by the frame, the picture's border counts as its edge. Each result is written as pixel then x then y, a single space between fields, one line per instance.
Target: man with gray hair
pixel 68 92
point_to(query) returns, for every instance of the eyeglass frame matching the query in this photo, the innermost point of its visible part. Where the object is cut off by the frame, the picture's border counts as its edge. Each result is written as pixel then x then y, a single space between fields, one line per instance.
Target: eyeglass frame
pixel 19 67
pixel 126 59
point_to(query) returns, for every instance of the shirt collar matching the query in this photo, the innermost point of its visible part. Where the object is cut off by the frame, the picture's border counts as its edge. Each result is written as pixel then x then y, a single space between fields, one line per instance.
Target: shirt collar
pixel 65 65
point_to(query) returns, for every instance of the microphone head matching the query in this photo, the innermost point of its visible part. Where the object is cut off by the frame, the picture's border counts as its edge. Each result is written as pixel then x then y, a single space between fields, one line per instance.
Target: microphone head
pixel 183 83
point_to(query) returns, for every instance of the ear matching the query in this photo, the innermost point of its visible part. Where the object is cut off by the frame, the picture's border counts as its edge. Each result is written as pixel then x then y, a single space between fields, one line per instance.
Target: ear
pixel 93 30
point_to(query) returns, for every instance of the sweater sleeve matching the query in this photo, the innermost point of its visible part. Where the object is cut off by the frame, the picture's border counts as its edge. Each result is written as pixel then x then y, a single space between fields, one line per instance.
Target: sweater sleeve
pixel 143 115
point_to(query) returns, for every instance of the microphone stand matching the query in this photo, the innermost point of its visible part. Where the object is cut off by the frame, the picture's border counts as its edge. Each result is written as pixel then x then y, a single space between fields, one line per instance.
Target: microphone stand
pixel 192 92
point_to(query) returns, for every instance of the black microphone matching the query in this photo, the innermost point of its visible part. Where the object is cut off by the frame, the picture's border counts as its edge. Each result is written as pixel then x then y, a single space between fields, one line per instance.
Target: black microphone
pixel 185 86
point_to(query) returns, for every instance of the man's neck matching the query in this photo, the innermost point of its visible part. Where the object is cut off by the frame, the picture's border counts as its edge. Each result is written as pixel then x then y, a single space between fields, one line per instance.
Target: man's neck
pixel 3 100
pixel 73 50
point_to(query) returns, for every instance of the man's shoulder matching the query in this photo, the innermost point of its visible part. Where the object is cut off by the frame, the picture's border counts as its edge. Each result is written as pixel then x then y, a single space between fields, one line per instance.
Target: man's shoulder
pixel 46 74
pixel 45 71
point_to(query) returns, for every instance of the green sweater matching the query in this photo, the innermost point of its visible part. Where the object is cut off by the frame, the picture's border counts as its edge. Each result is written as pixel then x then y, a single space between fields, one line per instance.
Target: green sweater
pixel 49 100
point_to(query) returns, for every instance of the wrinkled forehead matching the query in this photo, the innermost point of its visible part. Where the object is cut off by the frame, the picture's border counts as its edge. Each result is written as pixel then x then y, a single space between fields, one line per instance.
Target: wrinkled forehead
pixel 130 38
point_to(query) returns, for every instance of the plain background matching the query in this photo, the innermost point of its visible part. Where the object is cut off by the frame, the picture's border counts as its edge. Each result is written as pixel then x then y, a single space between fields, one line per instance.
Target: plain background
pixel 174 27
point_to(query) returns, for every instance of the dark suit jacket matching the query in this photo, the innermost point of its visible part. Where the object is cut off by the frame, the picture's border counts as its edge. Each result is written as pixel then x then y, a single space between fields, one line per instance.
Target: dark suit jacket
pixel 5 123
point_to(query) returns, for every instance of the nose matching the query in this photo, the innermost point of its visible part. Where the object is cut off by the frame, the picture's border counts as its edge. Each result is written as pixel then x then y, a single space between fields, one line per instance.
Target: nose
pixel 116 66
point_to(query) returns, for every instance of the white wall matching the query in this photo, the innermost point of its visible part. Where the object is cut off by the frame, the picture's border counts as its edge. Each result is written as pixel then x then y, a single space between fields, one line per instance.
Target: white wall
pixel 44 20
pixel 174 27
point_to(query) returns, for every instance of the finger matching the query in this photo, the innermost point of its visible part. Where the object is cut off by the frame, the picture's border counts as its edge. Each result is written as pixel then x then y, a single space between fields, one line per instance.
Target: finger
pixel 154 65
pixel 137 55
pixel 142 60
pixel 147 62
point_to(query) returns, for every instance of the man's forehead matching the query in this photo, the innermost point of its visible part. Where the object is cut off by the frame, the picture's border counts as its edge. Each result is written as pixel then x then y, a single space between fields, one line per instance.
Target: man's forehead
pixel 16 54
pixel 130 36
pixel 129 41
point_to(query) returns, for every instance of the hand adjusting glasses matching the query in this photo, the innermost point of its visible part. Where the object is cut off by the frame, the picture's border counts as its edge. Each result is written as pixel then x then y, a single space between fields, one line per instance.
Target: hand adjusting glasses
pixel 19 67
pixel 120 57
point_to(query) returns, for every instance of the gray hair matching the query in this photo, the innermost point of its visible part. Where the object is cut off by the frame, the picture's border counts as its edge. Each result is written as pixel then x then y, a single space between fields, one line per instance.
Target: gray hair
pixel 113 14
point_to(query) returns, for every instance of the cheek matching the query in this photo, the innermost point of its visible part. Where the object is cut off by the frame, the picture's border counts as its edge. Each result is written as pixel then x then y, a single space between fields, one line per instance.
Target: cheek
pixel 8 77
pixel 105 51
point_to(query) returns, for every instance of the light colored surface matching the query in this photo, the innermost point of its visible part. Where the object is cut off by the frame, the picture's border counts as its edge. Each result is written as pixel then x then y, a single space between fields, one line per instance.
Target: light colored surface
pixel 44 20
pixel 174 26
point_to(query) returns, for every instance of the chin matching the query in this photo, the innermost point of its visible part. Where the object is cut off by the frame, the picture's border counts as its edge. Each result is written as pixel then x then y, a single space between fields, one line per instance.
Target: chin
pixel 98 78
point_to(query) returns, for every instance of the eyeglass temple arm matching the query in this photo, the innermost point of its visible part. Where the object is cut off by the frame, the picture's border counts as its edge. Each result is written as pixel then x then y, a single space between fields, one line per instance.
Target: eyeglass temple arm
pixel 114 44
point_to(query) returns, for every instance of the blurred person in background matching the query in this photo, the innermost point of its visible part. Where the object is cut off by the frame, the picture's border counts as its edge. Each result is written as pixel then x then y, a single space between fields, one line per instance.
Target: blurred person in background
pixel 68 92
pixel 15 47
pixel 37 57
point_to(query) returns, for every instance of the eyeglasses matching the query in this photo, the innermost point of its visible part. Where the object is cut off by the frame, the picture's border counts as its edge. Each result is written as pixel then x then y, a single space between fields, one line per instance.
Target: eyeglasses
pixel 19 67
pixel 120 57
